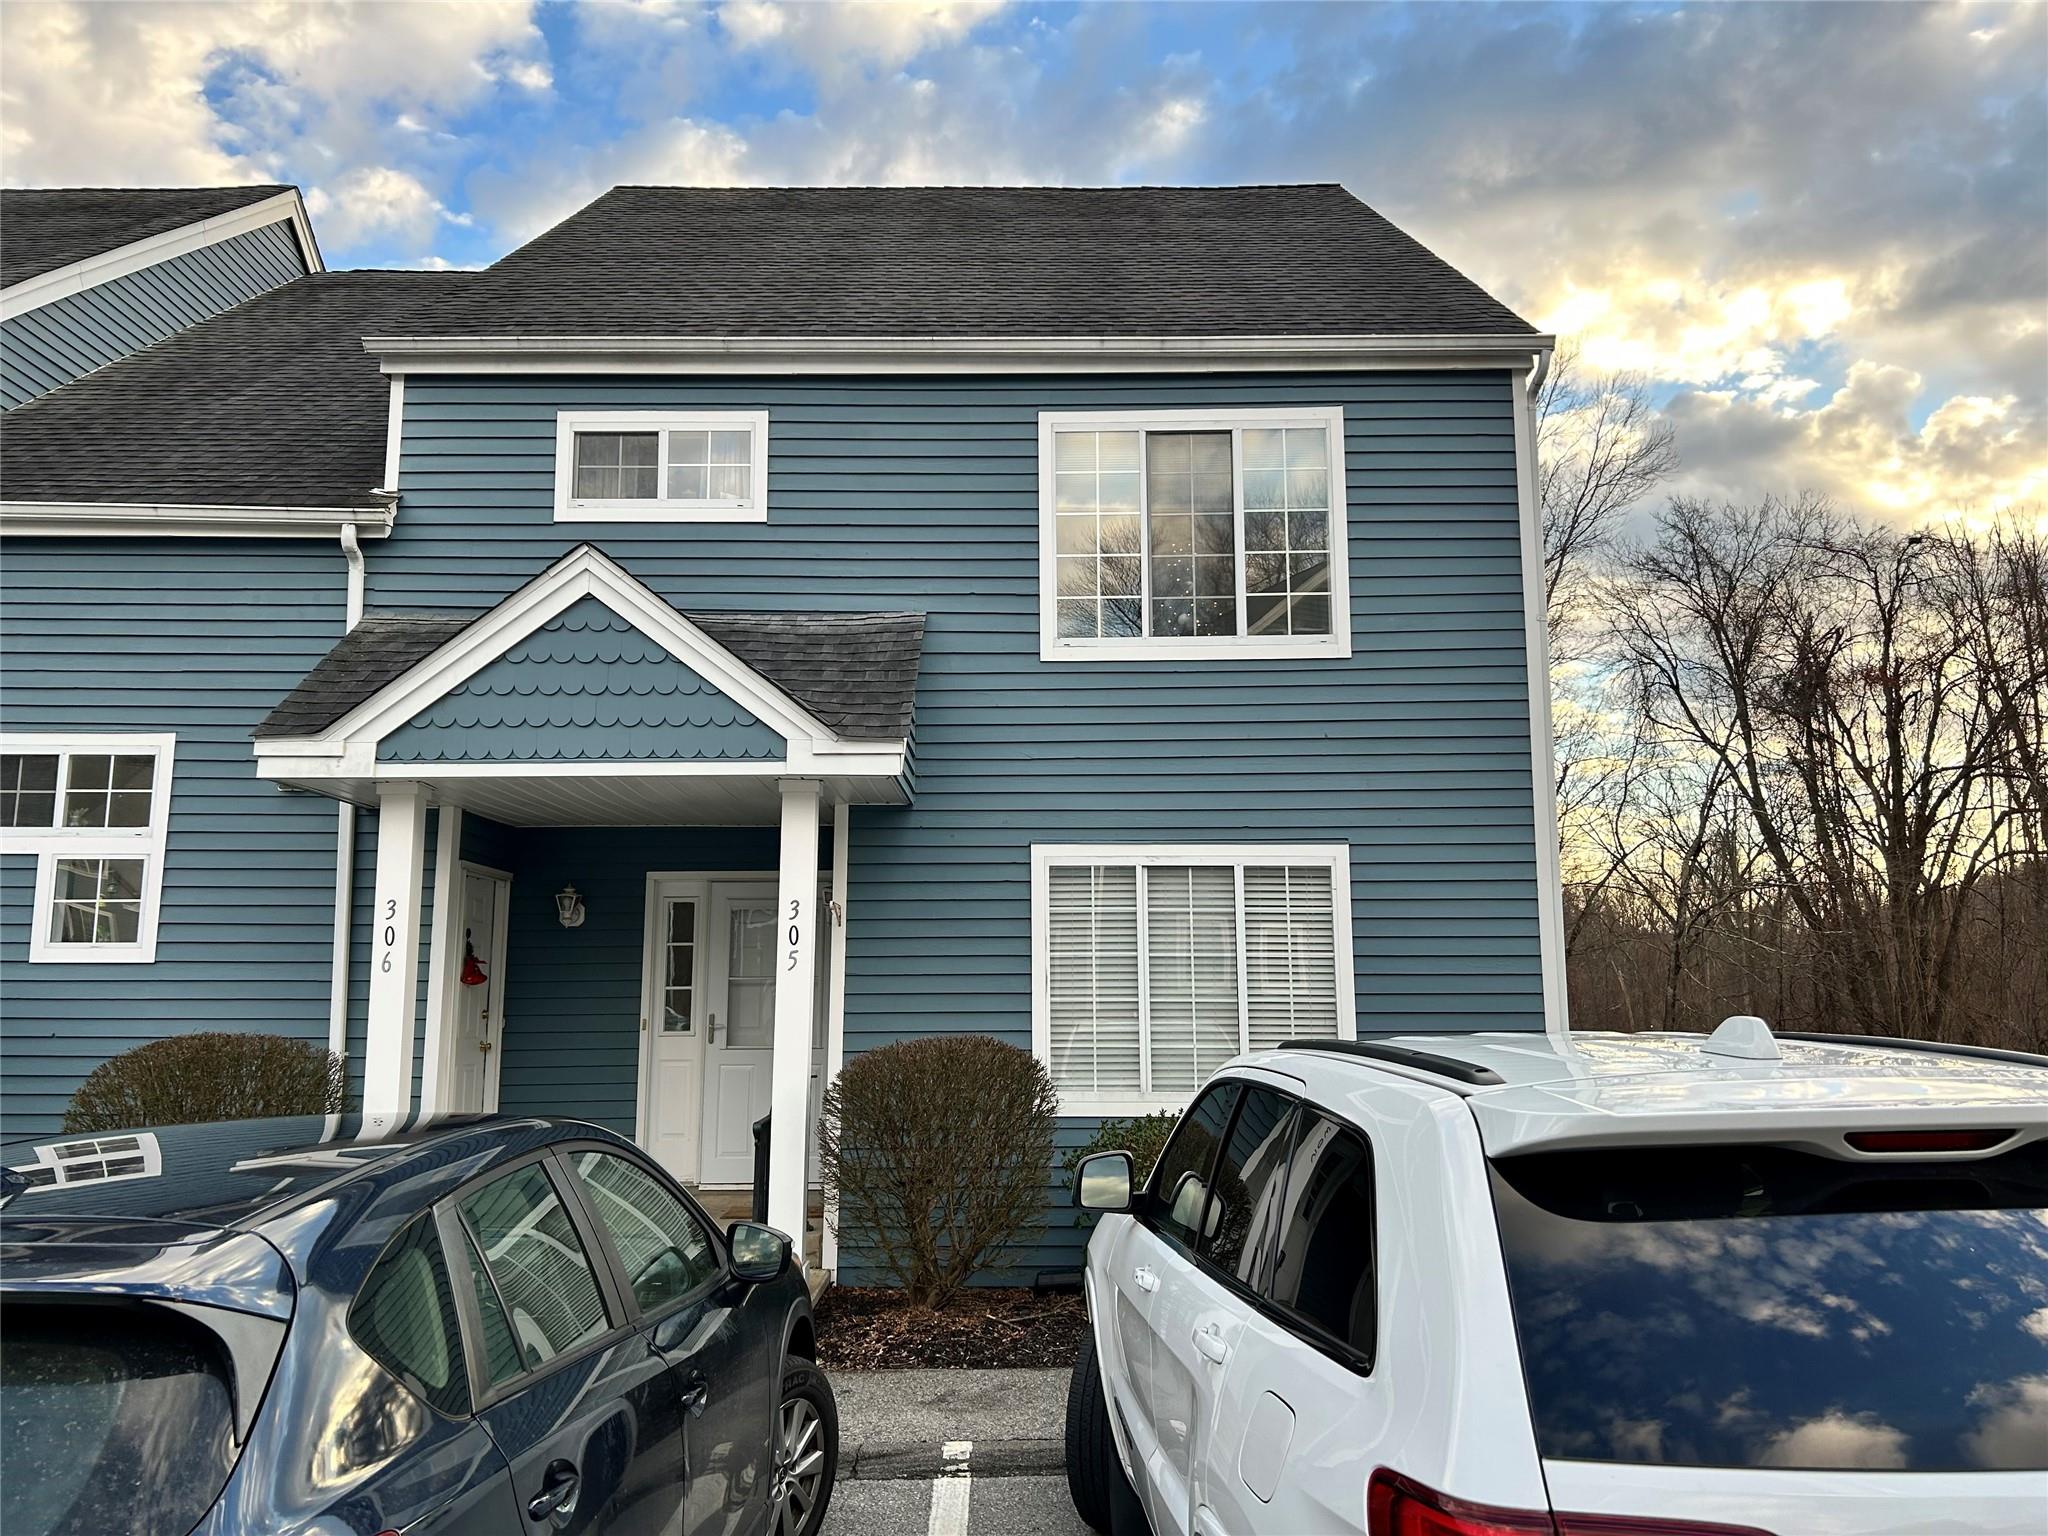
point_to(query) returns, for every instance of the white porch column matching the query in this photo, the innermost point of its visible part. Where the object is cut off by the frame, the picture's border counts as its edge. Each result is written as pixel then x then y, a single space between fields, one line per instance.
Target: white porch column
pixel 394 954
pixel 796 962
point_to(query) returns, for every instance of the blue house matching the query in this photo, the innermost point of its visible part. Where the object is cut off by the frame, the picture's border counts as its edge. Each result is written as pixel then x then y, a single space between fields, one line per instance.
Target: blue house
pixel 742 628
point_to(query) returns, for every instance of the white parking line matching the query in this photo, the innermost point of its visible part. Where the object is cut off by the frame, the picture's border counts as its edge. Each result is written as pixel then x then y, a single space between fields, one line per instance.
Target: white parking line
pixel 951 1490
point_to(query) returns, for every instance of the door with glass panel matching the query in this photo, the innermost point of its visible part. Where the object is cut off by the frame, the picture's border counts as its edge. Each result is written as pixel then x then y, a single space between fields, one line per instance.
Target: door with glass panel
pixel 672 1124
pixel 739 1027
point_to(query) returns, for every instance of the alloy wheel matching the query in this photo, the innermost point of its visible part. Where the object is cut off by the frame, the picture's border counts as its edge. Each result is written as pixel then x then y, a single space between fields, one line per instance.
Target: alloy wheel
pixel 799 1466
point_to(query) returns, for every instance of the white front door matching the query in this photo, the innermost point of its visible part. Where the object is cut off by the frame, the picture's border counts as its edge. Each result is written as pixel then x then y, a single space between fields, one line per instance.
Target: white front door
pixel 477 1018
pixel 675 1058
pixel 739 1030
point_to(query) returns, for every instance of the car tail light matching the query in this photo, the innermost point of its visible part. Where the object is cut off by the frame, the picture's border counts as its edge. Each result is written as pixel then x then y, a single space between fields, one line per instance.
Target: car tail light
pixel 1400 1506
pixel 1926 1141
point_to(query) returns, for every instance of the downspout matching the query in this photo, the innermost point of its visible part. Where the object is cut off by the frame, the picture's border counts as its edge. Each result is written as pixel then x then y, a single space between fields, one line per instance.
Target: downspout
pixel 344 838
pixel 1538 374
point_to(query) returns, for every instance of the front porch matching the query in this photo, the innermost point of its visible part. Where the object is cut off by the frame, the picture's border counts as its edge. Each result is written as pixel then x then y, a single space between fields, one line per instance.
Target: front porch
pixel 608 865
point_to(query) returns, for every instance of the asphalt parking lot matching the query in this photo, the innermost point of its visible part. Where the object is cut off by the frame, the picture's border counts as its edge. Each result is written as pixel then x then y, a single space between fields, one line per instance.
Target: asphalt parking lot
pixel 951 1453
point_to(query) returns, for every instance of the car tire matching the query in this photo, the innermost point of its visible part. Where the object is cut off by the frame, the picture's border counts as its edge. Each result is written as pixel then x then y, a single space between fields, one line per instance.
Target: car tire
pixel 1095 1474
pixel 806 1420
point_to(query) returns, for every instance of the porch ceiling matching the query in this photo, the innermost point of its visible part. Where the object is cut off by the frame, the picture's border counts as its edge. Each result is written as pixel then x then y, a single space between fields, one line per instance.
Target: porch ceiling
pixel 563 797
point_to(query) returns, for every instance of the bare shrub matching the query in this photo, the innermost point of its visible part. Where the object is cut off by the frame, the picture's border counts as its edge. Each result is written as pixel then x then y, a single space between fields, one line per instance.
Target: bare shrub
pixel 937 1152
pixel 198 1079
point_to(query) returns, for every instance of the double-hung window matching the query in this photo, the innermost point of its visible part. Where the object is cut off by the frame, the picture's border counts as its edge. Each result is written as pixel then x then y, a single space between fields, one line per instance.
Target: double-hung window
pixel 1171 533
pixel 94 811
pixel 1154 966
pixel 661 466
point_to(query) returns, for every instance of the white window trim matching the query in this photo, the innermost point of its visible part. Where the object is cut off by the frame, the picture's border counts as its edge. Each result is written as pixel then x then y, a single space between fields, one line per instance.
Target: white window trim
pixel 570 509
pixel 1336 644
pixel 49 844
pixel 1335 857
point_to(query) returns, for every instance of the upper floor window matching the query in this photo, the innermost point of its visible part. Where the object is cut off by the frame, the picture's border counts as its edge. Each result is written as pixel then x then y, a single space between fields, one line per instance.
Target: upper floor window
pixel 661 466
pixel 1164 533
pixel 94 810
pixel 1155 965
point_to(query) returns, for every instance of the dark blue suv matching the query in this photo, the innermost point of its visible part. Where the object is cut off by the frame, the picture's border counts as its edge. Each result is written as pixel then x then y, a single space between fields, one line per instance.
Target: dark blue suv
pixel 487 1327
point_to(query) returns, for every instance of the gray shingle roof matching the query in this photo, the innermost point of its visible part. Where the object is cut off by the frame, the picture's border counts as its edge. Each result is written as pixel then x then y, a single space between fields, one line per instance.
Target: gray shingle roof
pixel 857 672
pixel 273 403
pixel 44 229
pixel 970 261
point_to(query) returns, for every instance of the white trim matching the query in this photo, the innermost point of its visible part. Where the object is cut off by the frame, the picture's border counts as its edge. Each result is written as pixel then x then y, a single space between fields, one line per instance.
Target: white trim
pixel 394 955
pixel 440 948
pixel 789 1074
pixel 296 759
pixel 394 432
pixel 1336 857
pixel 54 842
pixel 1542 743
pixel 32 293
pixel 835 1010
pixel 1334 646
pixel 943 354
pixel 660 508
pixel 112 519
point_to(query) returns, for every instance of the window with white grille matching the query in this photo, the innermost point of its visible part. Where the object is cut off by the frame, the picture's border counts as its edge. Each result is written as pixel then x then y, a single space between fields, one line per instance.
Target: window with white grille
pixel 1155 966
pixel 661 466
pixel 95 811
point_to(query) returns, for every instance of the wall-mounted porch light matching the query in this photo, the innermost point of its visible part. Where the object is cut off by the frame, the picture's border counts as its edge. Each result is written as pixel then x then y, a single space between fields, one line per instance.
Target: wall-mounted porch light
pixel 569 907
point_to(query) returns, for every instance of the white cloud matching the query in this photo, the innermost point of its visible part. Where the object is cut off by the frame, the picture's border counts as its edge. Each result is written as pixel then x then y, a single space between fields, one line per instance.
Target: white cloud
pixel 829 39
pixel 1838 1439
pixel 373 201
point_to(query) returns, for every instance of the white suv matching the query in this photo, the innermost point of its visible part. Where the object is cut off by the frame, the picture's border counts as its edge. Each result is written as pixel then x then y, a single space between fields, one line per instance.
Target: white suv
pixel 1599 1285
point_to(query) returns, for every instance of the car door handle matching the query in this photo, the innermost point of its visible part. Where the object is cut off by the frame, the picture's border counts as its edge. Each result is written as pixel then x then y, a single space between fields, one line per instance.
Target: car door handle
pixel 557 1495
pixel 1147 1281
pixel 696 1393
pixel 1211 1345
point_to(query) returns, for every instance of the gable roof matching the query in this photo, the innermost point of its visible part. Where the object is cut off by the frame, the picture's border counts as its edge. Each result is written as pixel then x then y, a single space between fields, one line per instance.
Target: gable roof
pixel 856 672
pixel 273 403
pixel 970 262
pixel 44 229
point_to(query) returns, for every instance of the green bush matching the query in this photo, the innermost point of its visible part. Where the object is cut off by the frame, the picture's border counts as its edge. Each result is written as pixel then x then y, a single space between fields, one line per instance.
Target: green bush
pixel 936 1152
pixel 199 1079
pixel 1143 1136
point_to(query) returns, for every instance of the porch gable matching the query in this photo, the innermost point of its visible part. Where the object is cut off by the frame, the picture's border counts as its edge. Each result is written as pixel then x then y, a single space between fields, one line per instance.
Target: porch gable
pixel 587 686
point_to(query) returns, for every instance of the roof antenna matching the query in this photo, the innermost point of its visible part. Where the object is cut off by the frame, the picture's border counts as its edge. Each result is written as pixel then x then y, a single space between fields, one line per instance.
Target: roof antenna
pixel 1744 1035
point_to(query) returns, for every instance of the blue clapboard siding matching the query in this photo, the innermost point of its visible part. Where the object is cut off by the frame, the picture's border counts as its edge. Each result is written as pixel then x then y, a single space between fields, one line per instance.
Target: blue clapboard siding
pixel 588 685
pixel 922 493
pixel 199 638
pixel 73 335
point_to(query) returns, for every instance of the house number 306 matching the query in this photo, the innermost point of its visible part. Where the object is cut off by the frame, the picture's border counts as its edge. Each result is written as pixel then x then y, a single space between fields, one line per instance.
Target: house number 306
pixel 390 935
pixel 796 933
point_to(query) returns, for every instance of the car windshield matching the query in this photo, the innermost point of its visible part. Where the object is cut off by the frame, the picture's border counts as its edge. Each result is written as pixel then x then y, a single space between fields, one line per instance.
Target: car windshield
pixel 1765 1307
pixel 111 1419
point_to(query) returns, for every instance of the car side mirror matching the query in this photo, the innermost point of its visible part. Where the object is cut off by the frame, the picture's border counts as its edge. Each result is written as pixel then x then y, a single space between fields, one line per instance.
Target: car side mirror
pixel 1103 1182
pixel 758 1253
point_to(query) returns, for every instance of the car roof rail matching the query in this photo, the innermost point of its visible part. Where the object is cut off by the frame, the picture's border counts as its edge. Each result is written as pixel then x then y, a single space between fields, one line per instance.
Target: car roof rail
pixel 1903 1043
pixel 1405 1056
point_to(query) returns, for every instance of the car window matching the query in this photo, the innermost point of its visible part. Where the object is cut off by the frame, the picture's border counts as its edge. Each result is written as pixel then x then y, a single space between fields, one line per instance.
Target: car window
pixel 1324 1275
pixel 1247 1186
pixel 1755 1306
pixel 501 1352
pixel 665 1250
pixel 116 1419
pixel 404 1317
pixel 1180 1183
pixel 544 1279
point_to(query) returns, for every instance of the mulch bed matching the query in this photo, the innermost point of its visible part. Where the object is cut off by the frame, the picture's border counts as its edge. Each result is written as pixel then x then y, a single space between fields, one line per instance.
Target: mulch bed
pixel 861 1329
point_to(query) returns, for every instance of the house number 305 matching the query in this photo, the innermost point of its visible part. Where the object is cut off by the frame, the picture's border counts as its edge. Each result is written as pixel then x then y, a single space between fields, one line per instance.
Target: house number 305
pixel 796 933
pixel 390 934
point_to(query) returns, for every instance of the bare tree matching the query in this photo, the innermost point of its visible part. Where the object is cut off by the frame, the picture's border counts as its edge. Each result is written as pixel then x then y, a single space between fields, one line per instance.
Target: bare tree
pixel 1602 449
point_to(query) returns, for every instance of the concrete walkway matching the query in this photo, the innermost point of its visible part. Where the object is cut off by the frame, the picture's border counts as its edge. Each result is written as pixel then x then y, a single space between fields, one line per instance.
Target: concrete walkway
pixel 952 1453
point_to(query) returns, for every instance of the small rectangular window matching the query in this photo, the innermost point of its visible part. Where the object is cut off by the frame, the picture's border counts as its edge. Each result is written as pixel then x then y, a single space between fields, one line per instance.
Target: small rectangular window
pixel 1169 530
pixel 95 812
pixel 1155 966
pixel 661 466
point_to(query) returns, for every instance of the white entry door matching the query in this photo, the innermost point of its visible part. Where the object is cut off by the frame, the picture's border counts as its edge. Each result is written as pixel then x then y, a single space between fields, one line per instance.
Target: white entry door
pixel 477 1018
pixel 739 1027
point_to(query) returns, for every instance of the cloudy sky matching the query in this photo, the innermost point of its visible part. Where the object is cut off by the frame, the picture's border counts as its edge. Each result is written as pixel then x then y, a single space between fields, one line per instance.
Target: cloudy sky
pixel 1821 229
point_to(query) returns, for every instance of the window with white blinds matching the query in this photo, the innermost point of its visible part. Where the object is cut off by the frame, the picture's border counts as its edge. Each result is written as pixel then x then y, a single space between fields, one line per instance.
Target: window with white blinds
pixel 1157 966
